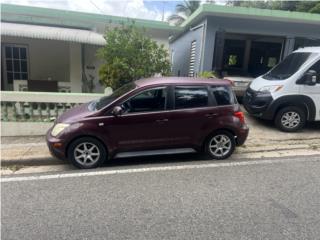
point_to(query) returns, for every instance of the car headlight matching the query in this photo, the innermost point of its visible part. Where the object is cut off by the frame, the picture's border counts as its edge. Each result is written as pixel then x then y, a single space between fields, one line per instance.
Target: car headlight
pixel 271 89
pixel 58 128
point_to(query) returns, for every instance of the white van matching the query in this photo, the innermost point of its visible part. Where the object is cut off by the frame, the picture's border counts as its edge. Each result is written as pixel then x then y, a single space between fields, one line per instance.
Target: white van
pixel 289 93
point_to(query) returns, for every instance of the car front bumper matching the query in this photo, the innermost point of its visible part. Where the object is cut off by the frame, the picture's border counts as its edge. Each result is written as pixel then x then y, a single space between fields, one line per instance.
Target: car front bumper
pixel 56 146
pixel 257 104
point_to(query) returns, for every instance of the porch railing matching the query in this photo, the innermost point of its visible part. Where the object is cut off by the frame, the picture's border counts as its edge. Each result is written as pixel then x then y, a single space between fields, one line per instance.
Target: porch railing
pixel 39 106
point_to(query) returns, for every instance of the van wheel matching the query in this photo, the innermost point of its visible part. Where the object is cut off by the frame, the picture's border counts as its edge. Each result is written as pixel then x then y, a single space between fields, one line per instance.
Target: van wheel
pixel 220 145
pixel 290 119
pixel 87 152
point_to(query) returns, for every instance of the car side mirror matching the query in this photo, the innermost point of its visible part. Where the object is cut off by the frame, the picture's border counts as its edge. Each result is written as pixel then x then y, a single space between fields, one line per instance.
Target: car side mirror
pixel 310 78
pixel 117 111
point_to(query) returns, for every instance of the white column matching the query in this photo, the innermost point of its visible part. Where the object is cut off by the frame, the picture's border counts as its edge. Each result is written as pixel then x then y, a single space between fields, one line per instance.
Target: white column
pixel 75 67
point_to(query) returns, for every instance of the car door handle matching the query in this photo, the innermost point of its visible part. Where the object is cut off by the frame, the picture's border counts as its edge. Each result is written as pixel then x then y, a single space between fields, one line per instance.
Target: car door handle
pixel 162 120
pixel 211 115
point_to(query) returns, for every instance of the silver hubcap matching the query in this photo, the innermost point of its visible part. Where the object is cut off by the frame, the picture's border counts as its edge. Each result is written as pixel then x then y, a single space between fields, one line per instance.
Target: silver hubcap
pixel 290 119
pixel 86 153
pixel 220 145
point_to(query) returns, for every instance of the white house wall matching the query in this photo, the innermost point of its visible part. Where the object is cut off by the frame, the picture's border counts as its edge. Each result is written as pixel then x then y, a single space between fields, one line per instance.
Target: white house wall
pixel 46 58
pixel 92 65
pixel 180 50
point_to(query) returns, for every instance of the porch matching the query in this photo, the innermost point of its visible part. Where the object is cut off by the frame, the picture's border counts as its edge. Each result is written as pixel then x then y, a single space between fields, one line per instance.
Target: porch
pixel 57 60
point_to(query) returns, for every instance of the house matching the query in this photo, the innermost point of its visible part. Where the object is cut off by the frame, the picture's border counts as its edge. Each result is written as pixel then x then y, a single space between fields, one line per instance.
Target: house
pixel 55 50
pixel 240 41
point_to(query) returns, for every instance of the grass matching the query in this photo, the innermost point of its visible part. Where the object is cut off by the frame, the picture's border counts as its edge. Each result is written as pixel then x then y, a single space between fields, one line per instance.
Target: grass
pixel 14 167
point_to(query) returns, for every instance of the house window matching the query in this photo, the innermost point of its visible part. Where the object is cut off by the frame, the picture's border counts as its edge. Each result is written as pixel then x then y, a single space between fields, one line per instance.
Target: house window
pixel 16 62
pixel 192 58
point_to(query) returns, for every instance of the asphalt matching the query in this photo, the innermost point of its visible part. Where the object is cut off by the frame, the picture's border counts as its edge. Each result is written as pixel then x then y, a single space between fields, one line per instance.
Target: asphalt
pixel 268 200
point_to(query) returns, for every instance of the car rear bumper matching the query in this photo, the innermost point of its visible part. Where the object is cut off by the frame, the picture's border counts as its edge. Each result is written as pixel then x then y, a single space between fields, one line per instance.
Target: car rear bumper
pixel 242 135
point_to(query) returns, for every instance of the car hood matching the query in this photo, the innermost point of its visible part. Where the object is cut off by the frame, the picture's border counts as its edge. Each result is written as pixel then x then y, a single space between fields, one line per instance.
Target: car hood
pixel 75 113
pixel 260 82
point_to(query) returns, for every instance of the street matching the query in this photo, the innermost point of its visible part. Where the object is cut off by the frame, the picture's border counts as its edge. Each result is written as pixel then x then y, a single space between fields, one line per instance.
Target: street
pixel 244 199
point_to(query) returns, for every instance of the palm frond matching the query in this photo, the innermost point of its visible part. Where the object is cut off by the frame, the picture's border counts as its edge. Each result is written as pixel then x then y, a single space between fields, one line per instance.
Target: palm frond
pixel 183 9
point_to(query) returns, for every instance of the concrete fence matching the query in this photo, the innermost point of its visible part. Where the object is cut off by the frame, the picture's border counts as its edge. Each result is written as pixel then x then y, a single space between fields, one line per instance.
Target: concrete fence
pixel 33 113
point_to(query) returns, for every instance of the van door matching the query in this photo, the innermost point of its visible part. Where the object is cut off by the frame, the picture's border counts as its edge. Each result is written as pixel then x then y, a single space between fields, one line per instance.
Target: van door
pixel 314 91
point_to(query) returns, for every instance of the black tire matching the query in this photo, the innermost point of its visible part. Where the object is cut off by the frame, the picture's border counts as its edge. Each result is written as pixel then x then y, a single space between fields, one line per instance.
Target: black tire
pixel 88 141
pixel 219 155
pixel 298 119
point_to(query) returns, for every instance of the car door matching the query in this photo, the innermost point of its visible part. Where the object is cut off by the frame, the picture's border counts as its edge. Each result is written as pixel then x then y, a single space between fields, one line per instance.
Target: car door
pixel 313 91
pixel 144 122
pixel 193 114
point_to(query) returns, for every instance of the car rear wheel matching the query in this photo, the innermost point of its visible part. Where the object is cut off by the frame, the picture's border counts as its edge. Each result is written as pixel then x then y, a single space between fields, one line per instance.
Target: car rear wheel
pixel 290 119
pixel 220 145
pixel 87 153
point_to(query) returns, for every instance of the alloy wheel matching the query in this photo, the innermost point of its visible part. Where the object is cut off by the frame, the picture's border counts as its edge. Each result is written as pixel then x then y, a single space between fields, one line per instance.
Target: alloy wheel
pixel 220 145
pixel 290 119
pixel 86 153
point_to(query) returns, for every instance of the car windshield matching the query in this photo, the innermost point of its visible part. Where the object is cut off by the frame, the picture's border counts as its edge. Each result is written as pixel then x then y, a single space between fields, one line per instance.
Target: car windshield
pixel 289 66
pixel 104 101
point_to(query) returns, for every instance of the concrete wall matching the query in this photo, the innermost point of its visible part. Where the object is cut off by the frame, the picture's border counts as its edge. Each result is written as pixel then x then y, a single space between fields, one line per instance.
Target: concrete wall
pixel 29 128
pixel 180 50
pixel 47 59
pixel 265 27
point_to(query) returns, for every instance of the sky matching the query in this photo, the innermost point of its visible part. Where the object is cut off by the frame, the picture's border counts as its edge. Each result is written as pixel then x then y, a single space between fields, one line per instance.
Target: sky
pixel 146 9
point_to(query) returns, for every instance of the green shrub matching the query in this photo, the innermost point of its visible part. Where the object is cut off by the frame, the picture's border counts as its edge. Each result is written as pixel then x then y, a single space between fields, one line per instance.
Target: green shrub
pixel 129 54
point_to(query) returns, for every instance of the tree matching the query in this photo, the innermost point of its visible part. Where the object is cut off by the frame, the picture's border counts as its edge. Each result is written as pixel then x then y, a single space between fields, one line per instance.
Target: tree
pixel 298 6
pixel 183 10
pixel 129 54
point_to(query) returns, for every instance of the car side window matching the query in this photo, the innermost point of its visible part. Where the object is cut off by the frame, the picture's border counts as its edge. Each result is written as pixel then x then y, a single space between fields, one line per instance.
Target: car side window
pixel 223 95
pixel 191 97
pixel 316 67
pixel 147 101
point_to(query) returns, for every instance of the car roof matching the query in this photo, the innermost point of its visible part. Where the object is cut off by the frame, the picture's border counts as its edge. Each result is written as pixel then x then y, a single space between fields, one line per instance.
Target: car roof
pixel 309 49
pixel 180 81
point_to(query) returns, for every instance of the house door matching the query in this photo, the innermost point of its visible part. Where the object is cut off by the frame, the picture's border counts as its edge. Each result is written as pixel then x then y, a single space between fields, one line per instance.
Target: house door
pixel 15 64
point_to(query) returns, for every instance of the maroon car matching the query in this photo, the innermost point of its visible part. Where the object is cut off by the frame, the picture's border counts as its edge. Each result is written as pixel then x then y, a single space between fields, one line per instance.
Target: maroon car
pixel 151 116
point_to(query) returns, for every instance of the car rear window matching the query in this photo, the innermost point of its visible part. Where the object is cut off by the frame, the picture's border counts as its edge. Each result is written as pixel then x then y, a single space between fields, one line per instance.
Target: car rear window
pixel 223 95
pixel 191 97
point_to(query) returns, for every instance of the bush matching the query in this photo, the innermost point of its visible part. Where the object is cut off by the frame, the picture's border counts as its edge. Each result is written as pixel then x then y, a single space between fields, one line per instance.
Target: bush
pixel 208 74
pixel 129 54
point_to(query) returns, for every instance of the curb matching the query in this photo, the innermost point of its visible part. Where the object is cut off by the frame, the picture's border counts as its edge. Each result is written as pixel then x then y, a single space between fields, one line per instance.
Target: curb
pixel 34 161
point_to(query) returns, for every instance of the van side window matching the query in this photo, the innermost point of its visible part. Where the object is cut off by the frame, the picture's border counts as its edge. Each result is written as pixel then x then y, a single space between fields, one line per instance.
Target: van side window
pixel 191 97
pixel 316 67
pixel 223 95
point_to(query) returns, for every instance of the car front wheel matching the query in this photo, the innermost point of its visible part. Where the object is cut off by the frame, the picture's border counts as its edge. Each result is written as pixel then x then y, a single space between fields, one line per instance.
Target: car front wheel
pixel 290 119
pixel 220 145
pixel 87 153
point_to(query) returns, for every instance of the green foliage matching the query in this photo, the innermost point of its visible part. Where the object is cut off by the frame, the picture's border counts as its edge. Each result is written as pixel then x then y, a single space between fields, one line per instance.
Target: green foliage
pixel 129 54
pixel 208 74
pixel 298 6
pixel 315 9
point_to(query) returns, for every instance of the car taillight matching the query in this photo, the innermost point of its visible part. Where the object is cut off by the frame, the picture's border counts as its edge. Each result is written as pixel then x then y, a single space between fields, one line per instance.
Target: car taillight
pixel 240 115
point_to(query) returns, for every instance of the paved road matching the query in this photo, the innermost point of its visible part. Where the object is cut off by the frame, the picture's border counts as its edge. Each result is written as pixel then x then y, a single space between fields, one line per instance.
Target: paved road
pixel 277 199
